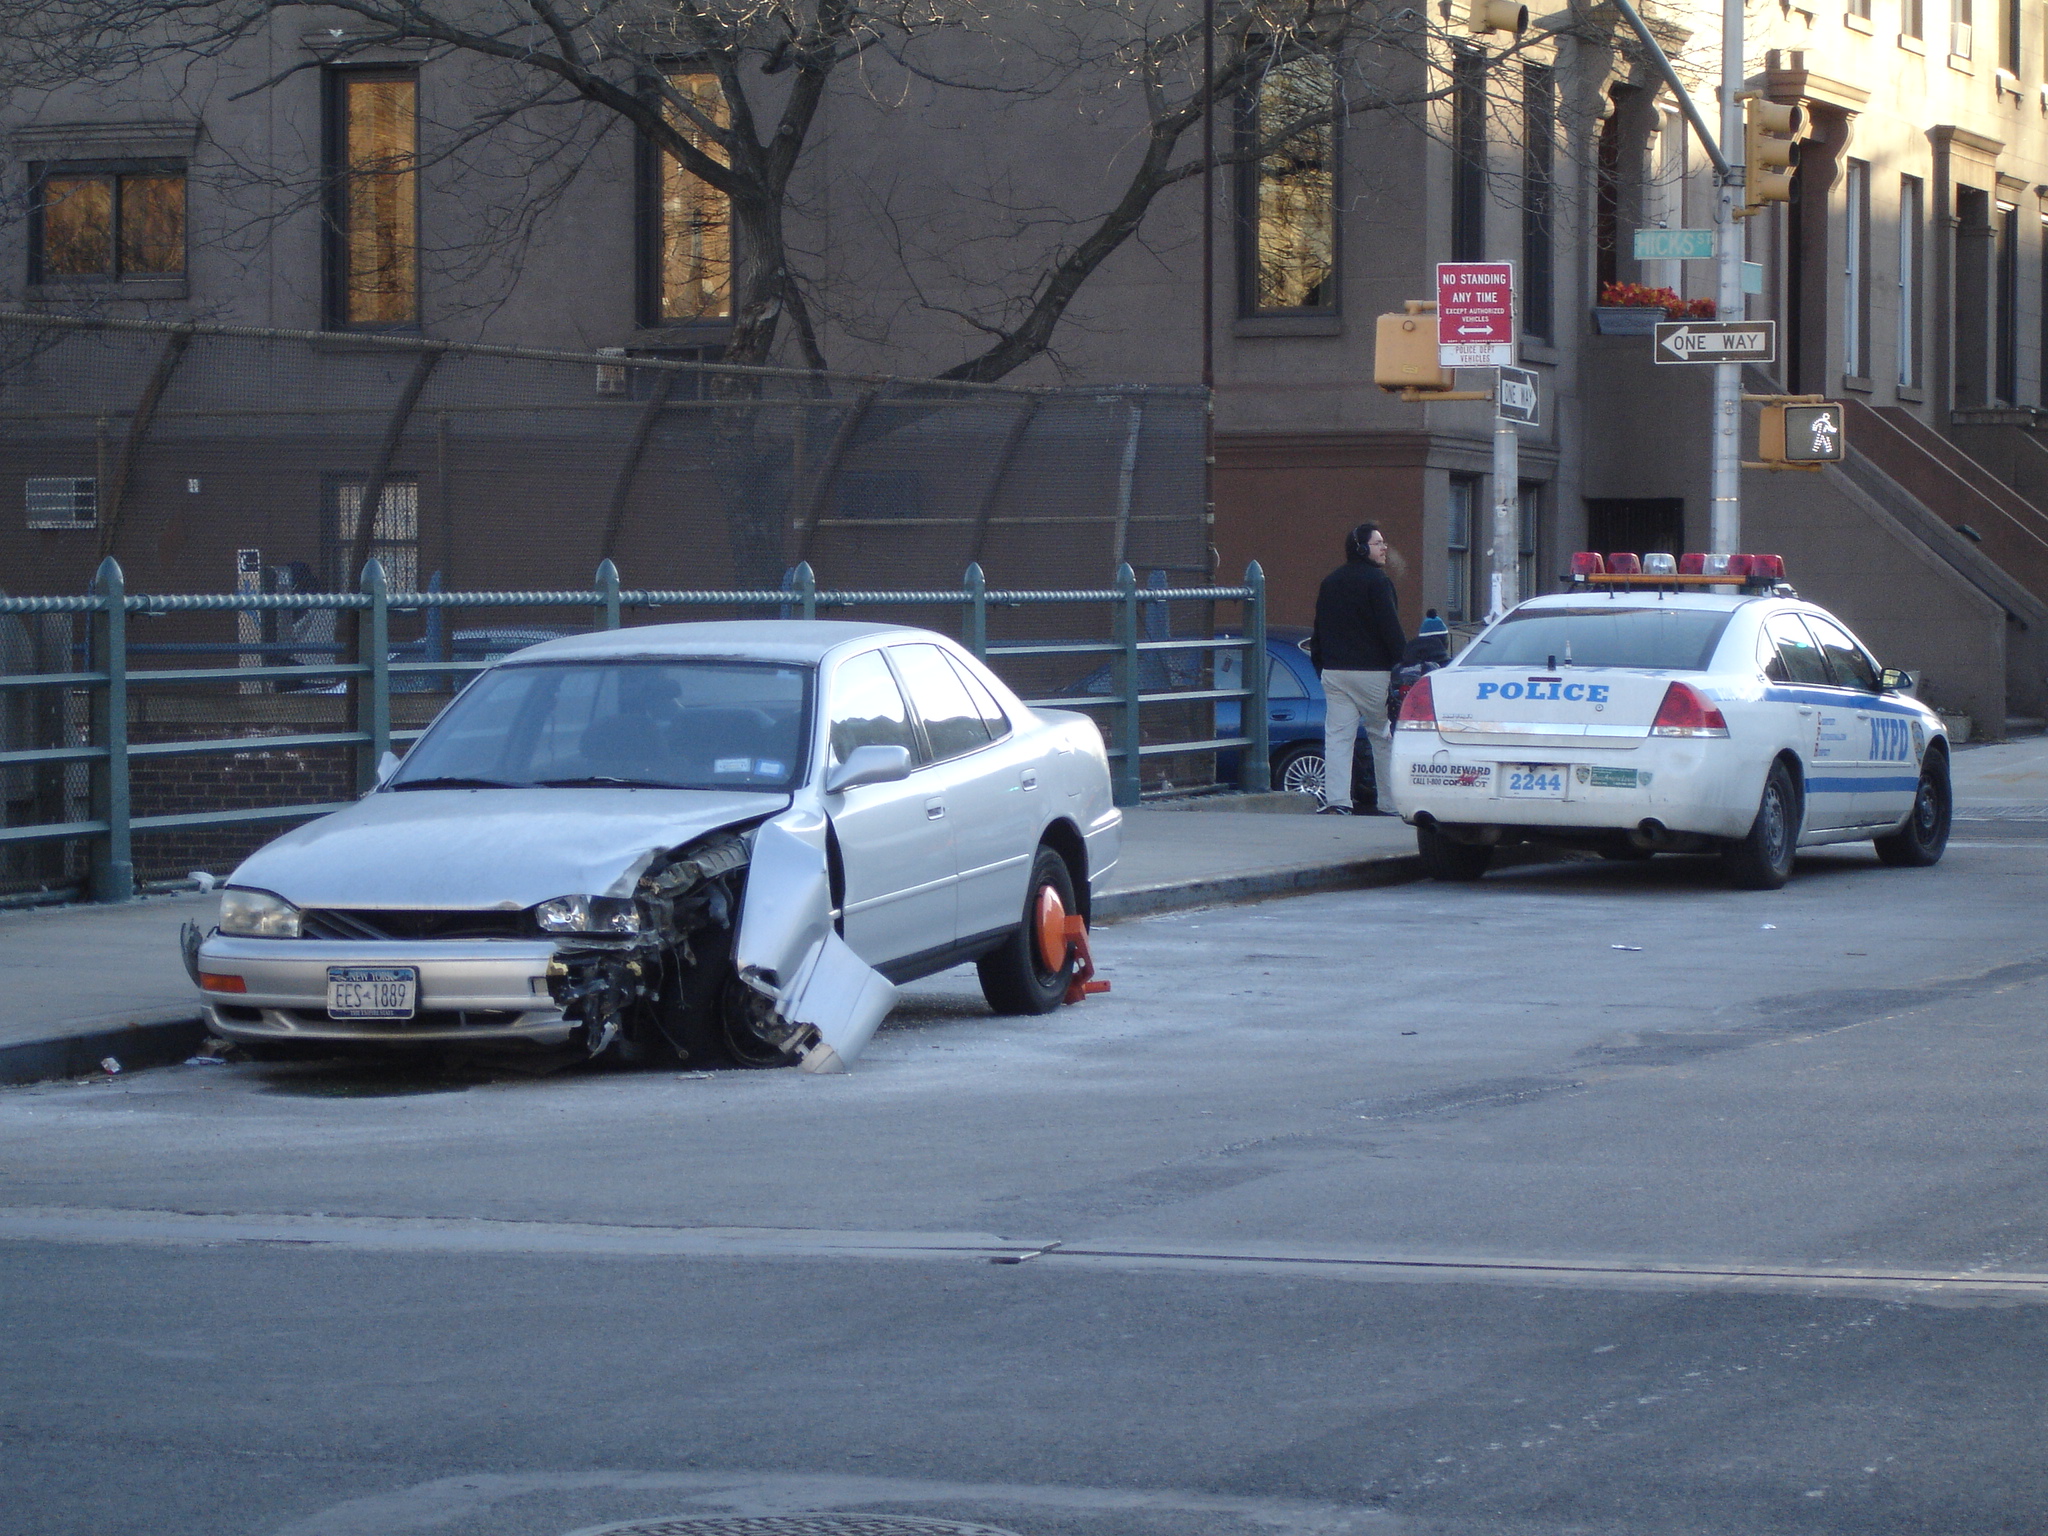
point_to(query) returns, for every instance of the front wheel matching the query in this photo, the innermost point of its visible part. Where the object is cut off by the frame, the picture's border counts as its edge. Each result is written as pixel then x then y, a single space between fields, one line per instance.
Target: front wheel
pixel 1445 858
pixel 1030 970
pixel 1924 837
pixel 1762 859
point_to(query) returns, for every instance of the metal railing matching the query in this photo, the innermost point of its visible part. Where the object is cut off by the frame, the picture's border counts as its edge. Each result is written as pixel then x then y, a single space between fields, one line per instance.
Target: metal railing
pixel 106 678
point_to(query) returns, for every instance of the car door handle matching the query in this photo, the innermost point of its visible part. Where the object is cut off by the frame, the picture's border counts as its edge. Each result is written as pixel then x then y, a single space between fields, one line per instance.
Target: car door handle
pixel 1805 709
pixel 1030 778
pixel 1283 714
pixel 934 809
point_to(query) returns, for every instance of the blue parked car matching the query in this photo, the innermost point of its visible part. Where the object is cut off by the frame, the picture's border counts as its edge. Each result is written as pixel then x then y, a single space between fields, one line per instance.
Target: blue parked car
pixel 1294 719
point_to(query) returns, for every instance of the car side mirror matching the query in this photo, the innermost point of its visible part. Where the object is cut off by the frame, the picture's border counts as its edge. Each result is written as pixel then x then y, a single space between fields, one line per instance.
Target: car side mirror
pixel 869 765
pixel 1898 680
pixel 387 765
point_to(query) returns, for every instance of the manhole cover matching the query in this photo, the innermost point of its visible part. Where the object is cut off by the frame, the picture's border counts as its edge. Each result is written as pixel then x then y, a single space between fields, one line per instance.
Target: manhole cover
pixel 802 1525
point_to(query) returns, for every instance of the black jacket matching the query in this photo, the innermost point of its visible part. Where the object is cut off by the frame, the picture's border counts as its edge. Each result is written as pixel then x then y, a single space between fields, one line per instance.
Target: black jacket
pixel 1358 628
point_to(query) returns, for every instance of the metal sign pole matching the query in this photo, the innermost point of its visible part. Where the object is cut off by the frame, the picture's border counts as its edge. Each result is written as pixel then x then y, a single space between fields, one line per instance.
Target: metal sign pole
pixel 1724 534
pixel 1507 485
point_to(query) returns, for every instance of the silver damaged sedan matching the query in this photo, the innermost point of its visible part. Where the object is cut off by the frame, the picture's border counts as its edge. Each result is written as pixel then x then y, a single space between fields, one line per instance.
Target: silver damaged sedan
pixel 721 842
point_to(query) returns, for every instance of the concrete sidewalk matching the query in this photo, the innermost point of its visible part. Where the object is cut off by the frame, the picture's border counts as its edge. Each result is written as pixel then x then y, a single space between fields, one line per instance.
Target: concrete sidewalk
pixel 85 983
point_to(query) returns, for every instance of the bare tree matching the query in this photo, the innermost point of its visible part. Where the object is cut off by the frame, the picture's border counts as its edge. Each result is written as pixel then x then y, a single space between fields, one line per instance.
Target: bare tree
pixel 771 65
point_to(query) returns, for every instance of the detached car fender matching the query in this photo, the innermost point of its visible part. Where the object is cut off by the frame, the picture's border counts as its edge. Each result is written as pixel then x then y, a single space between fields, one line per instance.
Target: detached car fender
pixel 788 950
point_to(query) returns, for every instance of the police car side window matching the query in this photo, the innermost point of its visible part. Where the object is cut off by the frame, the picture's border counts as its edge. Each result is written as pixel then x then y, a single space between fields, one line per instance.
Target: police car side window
pixel 1803 660
pixel 1851 667
pixel 1769 661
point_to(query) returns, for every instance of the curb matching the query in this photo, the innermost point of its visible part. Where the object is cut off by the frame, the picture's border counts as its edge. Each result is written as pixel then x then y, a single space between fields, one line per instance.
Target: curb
pixel 1223 890
pixel 154 1043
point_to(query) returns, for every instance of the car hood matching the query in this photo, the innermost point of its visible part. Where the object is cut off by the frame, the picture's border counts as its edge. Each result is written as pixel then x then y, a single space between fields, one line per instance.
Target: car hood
pixel 482 849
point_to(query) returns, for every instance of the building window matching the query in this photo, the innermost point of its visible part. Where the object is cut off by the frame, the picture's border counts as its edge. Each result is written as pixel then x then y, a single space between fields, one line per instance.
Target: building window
pixel 2006 234
pixel 1856 271
pixel 2009 36
pixel 692 223
pixel 1960 31
pixel 1458 544
pixel 373 135
pixel 1912 18
pixel 1910 216
pixel 394 538
pixel 1289 218
pixel 108 222
pixel 1468 155
pixel 1860 9
pixel 63 501
pixel 1539 153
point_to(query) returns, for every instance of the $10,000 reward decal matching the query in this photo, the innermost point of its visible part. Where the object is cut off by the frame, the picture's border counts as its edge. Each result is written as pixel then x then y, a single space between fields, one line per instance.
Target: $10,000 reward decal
pixel 1451 775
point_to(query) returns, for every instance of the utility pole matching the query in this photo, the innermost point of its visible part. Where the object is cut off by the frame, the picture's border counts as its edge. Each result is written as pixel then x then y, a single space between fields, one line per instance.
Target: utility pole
pixel 1724 531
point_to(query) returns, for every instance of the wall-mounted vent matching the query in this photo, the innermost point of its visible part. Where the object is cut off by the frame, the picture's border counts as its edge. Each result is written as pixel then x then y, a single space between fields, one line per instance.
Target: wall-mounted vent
pixel 63 501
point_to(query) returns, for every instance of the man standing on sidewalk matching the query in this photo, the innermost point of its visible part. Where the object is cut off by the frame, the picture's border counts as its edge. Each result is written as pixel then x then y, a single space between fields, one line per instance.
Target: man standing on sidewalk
pixel 1357 644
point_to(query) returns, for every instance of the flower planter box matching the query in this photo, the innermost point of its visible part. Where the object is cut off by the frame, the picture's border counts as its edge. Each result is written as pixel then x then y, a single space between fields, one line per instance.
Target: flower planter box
pixel 1629 320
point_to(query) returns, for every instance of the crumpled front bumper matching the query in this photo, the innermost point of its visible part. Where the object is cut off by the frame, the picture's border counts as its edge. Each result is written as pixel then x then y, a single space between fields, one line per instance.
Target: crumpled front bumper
pixel 470 991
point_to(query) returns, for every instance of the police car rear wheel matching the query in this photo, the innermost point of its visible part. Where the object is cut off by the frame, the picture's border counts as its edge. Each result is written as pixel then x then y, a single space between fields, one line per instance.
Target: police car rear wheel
pixel 1762 861
pixel 1924 837
pixel 1445 858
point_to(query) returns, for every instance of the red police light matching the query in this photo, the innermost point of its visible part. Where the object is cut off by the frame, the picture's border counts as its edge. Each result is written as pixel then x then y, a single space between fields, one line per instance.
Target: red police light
pixel 1586 563
pixel 1624 565
pixel 1418 708
pixel 1767 567
pixel 1692 565
pixel 1739 567
pixel 1686 712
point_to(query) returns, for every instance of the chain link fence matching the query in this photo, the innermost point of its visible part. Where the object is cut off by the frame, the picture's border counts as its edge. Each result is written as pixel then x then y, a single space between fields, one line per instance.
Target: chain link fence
pixel 212 458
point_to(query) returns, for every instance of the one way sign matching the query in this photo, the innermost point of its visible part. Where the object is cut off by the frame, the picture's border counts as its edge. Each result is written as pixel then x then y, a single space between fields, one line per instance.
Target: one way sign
pixel 1717 341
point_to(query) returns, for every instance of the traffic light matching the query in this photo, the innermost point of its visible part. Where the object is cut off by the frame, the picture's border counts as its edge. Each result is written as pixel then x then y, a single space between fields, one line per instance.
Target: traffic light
pixel 1496 16
pixel 1801 434
pixel 1771 131
pixel 1404 354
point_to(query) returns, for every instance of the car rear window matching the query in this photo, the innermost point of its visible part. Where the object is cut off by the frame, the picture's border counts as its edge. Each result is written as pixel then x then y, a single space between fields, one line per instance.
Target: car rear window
pixel 1656 639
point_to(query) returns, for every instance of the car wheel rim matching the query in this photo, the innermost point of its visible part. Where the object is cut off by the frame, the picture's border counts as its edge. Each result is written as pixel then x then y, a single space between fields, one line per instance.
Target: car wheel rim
pixel 1050 925
pixel 1774 819
pixel 1303 775
pixel 1927 810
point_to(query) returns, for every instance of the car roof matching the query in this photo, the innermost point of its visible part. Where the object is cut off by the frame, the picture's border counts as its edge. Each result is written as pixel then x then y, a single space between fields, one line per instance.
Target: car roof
pixel 1713 602
pixel 786 640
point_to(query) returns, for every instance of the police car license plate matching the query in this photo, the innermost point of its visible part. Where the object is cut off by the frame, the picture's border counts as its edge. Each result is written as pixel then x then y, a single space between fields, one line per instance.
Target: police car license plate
pixel 372 991
pixel 1532 781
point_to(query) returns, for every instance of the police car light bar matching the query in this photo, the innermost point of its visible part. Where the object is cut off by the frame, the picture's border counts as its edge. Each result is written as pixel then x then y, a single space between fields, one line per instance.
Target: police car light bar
pixel 1591 569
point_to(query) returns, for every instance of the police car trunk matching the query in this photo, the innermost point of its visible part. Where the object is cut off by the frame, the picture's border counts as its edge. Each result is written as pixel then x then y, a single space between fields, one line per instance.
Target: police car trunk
pixel 1587 717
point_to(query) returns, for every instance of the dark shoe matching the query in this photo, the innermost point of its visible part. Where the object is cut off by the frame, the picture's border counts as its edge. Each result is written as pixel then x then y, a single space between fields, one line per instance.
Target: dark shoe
pixel 1335 810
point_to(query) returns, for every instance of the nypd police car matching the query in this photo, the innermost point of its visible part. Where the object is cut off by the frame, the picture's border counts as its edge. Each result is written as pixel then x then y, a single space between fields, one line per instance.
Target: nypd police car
pixel 1693 708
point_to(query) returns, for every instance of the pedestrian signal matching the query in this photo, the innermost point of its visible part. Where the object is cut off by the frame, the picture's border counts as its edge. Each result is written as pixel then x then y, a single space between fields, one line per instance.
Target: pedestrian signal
pixel 1802 434
pixel 1404 354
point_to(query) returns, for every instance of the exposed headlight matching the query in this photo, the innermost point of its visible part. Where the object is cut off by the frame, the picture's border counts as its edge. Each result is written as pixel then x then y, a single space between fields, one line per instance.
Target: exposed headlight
pixel 257 915
pixel 588 914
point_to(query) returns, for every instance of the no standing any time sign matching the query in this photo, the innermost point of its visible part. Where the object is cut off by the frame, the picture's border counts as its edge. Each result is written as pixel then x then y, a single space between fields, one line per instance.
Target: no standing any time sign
pixel 1475 314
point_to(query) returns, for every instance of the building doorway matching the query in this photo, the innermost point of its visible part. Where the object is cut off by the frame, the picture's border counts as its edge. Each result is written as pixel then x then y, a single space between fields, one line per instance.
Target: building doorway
pixel 1637 525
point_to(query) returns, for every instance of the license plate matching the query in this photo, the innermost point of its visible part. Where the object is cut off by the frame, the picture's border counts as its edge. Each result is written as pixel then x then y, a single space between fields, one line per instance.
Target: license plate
pixel 1532 781
pixel 371 991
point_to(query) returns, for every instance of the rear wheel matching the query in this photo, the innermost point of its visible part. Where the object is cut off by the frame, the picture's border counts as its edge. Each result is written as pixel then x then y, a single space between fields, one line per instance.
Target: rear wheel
pixel 1029 971
pixel 1299 771
pixel 1762 860
pixel 1921 841
pixel 1445 858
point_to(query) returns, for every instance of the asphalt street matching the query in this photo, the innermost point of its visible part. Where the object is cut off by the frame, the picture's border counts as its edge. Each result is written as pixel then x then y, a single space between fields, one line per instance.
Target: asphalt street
pixel 1592 1200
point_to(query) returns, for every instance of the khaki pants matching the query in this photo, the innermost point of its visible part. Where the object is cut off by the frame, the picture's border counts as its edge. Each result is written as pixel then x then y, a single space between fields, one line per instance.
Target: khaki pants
pixel 1352 697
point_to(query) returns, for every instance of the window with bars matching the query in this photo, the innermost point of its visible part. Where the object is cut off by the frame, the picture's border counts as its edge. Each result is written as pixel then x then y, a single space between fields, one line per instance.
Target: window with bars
pixel 1456 601
pixel 62 501
pixel 107 222
pixel 394 537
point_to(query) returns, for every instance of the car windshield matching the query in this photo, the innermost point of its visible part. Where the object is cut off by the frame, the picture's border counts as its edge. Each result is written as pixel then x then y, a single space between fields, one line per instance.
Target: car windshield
pixel 1657 639
pixel 652 724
